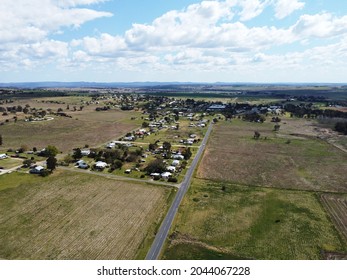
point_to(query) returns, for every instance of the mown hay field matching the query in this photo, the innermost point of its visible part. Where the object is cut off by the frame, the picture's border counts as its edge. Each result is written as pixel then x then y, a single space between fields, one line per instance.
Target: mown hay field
pixel 229 221
pixel 283 161
pixel 336 206
pixel 77 216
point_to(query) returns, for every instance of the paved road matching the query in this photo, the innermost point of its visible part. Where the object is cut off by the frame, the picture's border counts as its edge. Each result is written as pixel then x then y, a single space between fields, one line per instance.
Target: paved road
pixel 159 240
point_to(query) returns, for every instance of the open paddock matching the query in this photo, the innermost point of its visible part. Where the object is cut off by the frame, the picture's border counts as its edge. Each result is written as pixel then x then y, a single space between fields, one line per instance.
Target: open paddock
pixel 92 128
pixel 272 161
pixel 229 221
pixel 70 215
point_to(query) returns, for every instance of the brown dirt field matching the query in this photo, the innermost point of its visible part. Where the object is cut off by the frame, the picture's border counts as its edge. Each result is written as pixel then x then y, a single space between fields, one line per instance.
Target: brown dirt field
pixel 76 216
pixel 92 128
pixel 305 163
pixel 336 205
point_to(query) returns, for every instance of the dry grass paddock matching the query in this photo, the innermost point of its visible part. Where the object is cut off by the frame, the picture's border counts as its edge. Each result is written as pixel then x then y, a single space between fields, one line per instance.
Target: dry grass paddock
pixel 76 216
pixel 283 161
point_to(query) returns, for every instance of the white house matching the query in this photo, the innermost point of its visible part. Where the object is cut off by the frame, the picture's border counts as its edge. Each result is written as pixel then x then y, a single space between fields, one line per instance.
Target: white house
pixel 111 145
pixel 166 175
pixel 129 138
pixel 3 156
pixel 178 157
pixel 36 170
pixel 175 162
pixel 155 175
pixel 100 165
pixel 85 152
pixel 171 168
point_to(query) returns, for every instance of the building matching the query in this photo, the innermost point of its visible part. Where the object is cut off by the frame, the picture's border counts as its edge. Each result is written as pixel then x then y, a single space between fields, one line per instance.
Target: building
pixel 37 170
pixel 3 156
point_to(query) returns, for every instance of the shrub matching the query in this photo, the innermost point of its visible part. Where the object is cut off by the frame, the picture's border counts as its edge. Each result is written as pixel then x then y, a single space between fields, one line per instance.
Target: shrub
pixel 172 180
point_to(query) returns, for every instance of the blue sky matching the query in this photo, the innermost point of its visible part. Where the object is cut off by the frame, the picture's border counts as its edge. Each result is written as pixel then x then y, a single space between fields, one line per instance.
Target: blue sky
pixel 173 40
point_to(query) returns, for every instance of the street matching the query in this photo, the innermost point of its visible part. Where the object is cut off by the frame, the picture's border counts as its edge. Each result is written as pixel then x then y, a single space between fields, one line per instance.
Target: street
pixel 160 238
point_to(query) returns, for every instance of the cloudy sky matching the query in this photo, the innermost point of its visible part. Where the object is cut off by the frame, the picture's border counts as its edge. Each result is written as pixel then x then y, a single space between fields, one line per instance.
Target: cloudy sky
pixel 173 40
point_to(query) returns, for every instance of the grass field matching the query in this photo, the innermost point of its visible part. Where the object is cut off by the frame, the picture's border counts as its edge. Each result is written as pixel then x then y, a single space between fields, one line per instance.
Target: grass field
pixel 9 163
pixel 76 216
pixel 228 221
pixel 281 160
pixel 92 128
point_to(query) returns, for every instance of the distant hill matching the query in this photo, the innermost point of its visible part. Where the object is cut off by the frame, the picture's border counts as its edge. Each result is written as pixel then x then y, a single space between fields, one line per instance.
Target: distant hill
pixel 31 85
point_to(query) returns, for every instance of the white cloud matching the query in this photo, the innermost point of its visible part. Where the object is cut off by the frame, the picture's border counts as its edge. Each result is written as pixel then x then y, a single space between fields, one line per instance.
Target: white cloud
pixel 320 26
pixel 30 21
pixel 251 8
pixel 105 45
pixel 74 3
pixel 284 8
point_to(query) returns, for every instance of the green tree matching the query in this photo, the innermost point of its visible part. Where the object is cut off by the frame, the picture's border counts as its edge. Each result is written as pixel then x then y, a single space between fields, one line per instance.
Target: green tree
pixel 51 163
pixel 166 146
pixel 51 151
pixel 152 147
pixel 156 166
pixel 77 154
pixel 117 164
pixel 187 154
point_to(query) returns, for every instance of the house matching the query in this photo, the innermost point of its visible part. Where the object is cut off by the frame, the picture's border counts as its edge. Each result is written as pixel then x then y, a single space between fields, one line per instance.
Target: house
pixel 128 171
pixel 82 164
pixel 178 157
pixel 175 162
pixel 37 170
pixel 100 165
pixel 155 176
pixel 171 168
pixel 85 152
pixel 3 156
pixel 129 138
pixel 166 175
pixel 216 107
pixel 111 145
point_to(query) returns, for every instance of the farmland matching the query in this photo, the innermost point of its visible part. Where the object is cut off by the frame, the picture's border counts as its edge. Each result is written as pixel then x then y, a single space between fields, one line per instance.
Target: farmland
pixel 85 127
pixel 77 216
pixel 336 205
pixel 281 160
pixel 230 221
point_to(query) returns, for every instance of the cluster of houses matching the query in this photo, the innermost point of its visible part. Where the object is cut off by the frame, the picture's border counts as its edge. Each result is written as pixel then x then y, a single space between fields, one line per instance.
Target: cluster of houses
pixel 191 140
pixel 170 170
